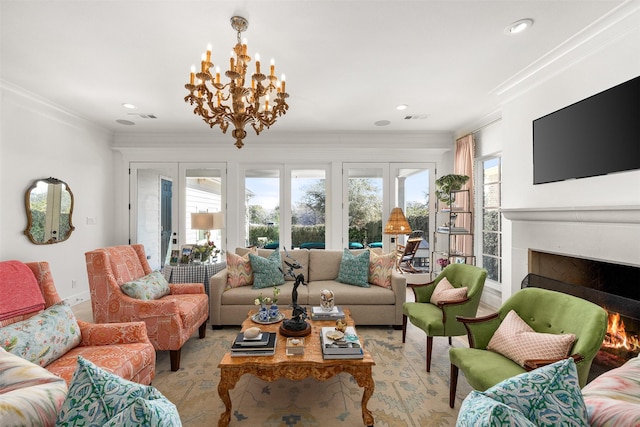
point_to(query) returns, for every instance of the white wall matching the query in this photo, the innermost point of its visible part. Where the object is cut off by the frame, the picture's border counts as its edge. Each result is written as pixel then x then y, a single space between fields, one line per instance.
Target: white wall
pixel 571 217
pixel 37 141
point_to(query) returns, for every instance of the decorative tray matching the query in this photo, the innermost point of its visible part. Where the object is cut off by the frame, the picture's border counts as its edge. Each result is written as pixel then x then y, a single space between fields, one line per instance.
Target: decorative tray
pixel 268 322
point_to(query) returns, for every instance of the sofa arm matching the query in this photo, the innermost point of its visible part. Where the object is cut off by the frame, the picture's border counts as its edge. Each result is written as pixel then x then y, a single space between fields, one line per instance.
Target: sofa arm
pixel 217 286
pixel 399 288
pixel 480 329
pixel 186 288
pixel 112 333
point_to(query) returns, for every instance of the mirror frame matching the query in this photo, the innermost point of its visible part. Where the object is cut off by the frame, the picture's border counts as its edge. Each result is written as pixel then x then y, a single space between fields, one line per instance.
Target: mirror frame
pixel 27 203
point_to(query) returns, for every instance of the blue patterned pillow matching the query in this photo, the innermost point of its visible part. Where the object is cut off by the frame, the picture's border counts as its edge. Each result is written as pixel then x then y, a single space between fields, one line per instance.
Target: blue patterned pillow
pixel 151 286
pixel 548 396
pixel 100 398
pixel 267 272
pixel 43 338
pixel 354 269
pixel 480 410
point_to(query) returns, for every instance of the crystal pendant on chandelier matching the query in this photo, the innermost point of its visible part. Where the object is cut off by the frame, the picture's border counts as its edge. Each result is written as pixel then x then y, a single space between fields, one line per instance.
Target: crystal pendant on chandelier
pixel 221 104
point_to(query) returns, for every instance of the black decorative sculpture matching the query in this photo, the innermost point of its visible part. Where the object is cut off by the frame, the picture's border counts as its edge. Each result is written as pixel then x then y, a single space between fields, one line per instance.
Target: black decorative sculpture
pixel 296 326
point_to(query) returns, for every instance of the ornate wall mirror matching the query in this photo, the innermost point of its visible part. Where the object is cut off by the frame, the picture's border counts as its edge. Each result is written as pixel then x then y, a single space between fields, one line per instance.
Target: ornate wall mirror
pixel 49 205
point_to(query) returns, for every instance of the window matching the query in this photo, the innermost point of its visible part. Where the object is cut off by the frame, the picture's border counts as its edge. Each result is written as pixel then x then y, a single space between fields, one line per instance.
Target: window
pixel 262 198
pixel 363 207
pixel 308 207
pixel 491 224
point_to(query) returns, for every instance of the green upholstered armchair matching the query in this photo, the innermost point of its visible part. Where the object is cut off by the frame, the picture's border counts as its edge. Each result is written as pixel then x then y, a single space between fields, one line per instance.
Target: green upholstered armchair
pixel 544 311
pixel 440 320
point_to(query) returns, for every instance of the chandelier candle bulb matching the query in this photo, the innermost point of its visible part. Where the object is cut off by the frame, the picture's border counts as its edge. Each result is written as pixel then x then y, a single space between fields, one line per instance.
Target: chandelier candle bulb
pixel 192 75
pixel 218 80
pixel 257 63
pixel 273 67
pixel 283 77
pixel 209 53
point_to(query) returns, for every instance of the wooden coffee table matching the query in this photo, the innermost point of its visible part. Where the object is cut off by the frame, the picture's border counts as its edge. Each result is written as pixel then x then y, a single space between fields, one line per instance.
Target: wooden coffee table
pixel 309 364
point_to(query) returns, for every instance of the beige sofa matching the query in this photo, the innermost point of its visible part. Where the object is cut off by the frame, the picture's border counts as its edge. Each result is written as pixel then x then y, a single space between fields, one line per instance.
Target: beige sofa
pixel 374 305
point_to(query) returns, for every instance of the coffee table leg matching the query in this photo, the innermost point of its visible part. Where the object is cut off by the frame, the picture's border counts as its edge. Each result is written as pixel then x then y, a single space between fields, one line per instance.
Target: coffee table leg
pixel 364 379
pixel 228 380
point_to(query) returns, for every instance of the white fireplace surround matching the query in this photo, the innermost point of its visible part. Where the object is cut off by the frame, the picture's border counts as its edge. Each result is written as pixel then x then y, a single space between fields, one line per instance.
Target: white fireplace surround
pixel 602 233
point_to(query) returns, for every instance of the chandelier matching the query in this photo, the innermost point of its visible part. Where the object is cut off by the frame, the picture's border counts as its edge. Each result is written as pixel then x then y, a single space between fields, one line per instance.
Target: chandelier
pixel 232 103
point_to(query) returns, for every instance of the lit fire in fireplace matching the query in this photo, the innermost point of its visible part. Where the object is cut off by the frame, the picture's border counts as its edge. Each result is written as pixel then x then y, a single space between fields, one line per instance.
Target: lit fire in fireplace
pixel 617 337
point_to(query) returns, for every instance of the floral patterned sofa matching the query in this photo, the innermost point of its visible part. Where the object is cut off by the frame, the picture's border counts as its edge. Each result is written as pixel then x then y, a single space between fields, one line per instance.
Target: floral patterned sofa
pixel 51 337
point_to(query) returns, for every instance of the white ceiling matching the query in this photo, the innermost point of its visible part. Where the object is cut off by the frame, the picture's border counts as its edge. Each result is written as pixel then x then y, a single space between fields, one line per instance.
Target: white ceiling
pixel 348 63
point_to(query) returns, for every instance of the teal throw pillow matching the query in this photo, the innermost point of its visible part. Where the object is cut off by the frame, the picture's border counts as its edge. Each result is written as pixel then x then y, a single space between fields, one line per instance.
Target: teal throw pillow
pixel 267 272
pixel 480 410
pixel 547 396
pixel 354 269
pixel 151 286
pixel 43 338
pixel 100 398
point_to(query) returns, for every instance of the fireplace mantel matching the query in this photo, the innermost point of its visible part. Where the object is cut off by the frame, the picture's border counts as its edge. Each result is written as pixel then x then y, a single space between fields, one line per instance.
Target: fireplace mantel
pixel 597 214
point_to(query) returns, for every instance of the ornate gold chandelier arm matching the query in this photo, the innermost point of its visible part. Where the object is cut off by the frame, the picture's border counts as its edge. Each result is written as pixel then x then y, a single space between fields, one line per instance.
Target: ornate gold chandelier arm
pixel 221 104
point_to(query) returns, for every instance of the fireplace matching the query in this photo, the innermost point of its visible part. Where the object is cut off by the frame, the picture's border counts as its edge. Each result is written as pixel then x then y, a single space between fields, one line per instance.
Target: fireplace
pixel 614 287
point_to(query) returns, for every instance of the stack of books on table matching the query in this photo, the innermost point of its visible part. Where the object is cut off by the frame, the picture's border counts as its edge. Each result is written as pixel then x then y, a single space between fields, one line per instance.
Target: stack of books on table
pixel 318 313
pixel 337 345
pixel 263 345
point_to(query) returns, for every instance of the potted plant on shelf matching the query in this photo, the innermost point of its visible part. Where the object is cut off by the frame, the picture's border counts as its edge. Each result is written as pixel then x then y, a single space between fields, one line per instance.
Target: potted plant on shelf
pixel 448 183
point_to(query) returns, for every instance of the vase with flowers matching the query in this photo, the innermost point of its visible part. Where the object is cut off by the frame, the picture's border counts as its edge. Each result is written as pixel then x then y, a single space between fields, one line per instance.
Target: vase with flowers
pixel 268 306
pixel 202 253
pixel 443 262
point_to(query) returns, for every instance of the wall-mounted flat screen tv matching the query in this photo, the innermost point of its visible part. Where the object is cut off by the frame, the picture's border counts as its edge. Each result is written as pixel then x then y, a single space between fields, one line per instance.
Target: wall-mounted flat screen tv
pixel 596 136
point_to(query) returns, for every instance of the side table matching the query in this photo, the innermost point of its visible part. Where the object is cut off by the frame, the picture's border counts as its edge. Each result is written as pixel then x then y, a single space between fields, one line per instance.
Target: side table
pixel 192 273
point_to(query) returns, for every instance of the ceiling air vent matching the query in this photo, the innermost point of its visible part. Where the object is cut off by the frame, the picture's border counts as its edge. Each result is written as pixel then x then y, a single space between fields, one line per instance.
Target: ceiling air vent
pixel 416 117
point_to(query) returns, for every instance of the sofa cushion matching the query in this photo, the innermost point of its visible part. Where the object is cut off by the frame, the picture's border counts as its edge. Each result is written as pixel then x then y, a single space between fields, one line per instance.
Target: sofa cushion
pixel 151 286
pixel 29 394
pixel 380 268
pixel 101 398
pixel 239 271
pixel 354 269
pixel 547 396
pixel 480 410
pixel 446 292
pixel 44 337
pixel 267 272
pixel 613 398
pixel 516 340
pixel 346 295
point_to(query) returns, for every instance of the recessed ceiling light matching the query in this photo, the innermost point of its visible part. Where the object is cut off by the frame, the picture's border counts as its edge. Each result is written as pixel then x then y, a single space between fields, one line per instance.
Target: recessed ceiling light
pixel 382 123
pixel 125 122
pixel 129 106
pixel 402 107
pixel 519 26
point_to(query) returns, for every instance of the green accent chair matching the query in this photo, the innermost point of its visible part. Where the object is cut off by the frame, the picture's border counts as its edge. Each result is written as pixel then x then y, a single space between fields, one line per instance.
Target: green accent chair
pixel 440 320
pixel 545 311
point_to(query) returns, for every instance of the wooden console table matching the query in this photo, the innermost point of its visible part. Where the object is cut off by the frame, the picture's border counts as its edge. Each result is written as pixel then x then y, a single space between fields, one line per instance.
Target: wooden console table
pixel 309 364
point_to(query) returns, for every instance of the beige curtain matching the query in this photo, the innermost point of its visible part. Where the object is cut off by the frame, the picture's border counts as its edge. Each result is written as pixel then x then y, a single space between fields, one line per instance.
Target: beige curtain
pixel 463 165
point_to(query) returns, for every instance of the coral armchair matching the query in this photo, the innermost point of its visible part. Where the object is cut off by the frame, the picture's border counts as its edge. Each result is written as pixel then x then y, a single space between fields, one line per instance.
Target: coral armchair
pixel 170 320
pixel 439 320
pixel 121 348
pixel 546 312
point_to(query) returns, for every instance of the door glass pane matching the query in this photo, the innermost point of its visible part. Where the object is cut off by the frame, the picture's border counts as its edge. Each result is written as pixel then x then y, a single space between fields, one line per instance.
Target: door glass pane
pixel 308 208
pixel 413 197
pixel 365 206
pixel 154 205
pixel 262 195
pixel 203 194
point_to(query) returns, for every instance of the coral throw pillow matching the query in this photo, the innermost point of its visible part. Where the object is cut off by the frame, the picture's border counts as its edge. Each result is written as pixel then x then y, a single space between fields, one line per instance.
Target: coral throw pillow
pixel 517 341
pixel 380 268
pixel 239 271
pixel 445 292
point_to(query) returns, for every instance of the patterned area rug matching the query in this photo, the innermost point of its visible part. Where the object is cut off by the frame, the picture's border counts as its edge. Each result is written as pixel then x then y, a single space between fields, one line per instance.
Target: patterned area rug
pixel 405 394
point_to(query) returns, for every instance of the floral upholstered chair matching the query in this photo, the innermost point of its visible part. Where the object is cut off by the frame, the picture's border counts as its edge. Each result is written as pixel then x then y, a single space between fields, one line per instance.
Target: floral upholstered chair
pixel 49 335
pixel 172 312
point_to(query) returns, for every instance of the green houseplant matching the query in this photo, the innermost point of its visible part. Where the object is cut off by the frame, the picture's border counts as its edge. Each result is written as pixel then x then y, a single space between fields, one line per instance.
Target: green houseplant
pixel 448 183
